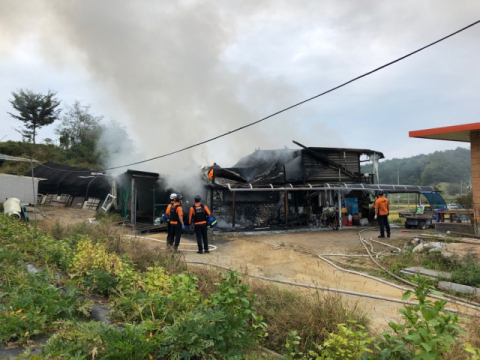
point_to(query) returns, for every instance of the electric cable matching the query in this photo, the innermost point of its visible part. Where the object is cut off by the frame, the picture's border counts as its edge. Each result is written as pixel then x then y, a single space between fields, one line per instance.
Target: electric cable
pixel 289 107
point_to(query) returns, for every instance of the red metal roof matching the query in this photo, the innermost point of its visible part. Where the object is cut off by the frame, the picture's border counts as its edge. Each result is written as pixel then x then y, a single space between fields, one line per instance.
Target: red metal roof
pixel 452 133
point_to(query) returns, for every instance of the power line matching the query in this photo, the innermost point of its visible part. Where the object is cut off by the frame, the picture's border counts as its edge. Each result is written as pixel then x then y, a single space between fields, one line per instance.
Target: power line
pixel 295 105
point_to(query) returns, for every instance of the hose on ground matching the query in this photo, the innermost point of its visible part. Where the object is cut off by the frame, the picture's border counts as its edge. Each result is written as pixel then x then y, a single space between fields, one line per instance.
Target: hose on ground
pixel 453 299
pixel 210 247
pixel 363 274
pixel 340 291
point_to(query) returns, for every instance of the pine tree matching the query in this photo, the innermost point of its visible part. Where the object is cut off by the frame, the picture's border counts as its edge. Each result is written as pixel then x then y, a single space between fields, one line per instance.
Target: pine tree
pixel 35 111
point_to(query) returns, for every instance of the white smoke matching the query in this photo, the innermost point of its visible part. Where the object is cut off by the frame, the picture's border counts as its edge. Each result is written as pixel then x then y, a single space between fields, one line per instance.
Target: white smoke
pixel 168 67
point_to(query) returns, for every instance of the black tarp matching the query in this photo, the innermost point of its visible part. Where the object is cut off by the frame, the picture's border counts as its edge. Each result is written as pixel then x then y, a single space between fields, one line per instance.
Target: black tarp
pixel 74 181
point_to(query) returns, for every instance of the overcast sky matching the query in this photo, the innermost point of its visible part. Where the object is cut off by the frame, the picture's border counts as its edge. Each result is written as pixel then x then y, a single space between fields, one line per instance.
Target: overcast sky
pixel 179 72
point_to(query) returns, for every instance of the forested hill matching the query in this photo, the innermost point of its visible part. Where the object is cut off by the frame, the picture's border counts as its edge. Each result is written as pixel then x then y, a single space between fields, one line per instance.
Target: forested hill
pixel 451 166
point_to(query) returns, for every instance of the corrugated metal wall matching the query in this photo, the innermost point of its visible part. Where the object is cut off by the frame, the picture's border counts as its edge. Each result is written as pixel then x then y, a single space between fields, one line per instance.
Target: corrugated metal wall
pixel 19 187
pixel 315 171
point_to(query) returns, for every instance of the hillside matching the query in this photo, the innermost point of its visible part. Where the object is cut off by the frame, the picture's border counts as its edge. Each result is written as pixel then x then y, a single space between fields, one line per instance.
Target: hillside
pixel 45 152
pixel 449 166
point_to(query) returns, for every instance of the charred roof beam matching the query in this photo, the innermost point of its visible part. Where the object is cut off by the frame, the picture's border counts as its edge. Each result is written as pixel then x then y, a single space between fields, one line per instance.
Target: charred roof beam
pixel 326 160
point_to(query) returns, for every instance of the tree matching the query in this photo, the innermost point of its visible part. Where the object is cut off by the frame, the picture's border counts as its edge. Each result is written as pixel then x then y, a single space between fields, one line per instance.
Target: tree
pixel 79 132
pixel 34 110
pixel 79 127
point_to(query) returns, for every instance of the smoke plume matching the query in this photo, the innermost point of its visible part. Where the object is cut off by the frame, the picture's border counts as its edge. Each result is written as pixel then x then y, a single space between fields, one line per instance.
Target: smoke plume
pixel 168 66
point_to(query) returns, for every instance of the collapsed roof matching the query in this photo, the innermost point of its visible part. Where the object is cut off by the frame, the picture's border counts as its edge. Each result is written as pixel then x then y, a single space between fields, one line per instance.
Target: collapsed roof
pixel 309 164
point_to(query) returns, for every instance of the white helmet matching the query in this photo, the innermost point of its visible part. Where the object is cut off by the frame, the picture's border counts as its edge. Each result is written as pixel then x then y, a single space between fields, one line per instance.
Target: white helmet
pixel 173 196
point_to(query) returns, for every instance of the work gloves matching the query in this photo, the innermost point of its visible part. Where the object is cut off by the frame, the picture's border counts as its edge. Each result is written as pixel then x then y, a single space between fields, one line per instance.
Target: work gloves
pixel 183 227
pixel 191 227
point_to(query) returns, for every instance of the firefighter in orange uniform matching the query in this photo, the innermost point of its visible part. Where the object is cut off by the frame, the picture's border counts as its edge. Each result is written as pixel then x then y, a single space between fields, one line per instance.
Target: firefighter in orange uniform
pixel 382 209
pixel 169 226
pixel 176 221
pixel 198 216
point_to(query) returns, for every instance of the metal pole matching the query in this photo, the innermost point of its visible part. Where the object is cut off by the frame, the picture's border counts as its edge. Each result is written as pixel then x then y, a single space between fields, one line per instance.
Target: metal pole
pixel 133 216
pixel 233 210
pixel 339 209
pixel 34 194
pixel 286 208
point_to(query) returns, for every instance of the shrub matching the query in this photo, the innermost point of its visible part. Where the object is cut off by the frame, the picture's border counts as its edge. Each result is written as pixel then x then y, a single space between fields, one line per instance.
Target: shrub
pixel 100 282
pixel 98 340
pixel 468 271
pixel 223 326
pixel 89 257
pixel 154 280
pixel 348 342
pixel 429 331
pixel 31 303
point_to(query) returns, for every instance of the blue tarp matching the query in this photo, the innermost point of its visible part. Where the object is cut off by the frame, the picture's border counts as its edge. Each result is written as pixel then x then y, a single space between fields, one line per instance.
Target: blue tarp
pixel 434 198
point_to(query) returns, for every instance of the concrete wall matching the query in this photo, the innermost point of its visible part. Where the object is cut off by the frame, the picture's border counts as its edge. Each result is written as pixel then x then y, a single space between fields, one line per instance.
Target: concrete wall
pixel 475 161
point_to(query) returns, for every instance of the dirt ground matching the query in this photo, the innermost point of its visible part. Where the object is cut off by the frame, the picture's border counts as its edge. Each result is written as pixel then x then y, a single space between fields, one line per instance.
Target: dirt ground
pixel 65 216
pixel 291 257
pixel 286 256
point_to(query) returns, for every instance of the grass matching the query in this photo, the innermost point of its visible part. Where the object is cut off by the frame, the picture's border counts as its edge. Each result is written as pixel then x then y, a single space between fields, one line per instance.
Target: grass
pixel 312 314
pixel 284 309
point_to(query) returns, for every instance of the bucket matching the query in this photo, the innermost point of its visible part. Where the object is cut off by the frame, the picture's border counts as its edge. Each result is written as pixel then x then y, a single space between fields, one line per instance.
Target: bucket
pixel 11 207
pixel 349 220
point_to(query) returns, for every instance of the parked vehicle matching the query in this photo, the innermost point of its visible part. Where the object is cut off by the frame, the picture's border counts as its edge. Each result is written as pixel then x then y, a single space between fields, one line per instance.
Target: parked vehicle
pixel 422 218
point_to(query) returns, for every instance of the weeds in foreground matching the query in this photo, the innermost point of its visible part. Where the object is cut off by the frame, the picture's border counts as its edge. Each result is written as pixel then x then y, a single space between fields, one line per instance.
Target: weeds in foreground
pixel 178 315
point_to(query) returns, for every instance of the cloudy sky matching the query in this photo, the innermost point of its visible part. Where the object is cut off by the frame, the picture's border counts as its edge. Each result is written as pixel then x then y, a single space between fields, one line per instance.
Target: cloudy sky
pixel 178 72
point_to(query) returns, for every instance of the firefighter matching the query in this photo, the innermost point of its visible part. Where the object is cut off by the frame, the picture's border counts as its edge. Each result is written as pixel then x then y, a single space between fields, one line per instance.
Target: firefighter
pixel 176 221
pixel 198 216
pixel 382 210
pixel 169 226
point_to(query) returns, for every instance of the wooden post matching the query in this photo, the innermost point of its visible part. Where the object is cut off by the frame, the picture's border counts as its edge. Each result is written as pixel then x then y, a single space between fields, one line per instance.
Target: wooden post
pixel 233 210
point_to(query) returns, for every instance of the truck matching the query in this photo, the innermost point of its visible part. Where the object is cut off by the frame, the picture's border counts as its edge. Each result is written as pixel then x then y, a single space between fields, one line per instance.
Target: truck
pixel 423 217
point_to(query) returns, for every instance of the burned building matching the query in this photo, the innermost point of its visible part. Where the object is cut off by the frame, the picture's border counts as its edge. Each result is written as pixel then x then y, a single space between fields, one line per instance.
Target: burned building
pixel 289 187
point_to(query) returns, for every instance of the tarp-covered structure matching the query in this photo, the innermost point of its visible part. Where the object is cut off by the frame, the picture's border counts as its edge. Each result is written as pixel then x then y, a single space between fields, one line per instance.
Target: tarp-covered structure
pixel 74 181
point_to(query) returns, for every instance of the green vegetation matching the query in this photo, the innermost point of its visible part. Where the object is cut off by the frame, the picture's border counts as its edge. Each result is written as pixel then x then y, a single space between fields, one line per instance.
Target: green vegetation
pixel 429 331
pixel 159 310
pixel 84 140
pixel 465 271
pixel 35 111
pixel 449 166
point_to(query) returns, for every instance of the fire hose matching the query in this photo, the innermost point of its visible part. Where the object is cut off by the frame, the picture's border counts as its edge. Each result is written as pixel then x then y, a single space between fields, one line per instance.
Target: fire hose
pixel 451 298
pixel 341 291
pixel 210 247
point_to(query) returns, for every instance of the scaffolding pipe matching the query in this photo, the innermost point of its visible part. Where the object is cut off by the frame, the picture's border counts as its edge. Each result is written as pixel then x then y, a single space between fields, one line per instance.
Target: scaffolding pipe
pixel 339 210
pixel 233 211
pixel 398 189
